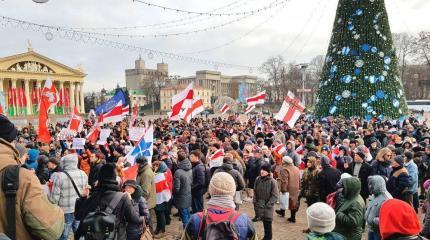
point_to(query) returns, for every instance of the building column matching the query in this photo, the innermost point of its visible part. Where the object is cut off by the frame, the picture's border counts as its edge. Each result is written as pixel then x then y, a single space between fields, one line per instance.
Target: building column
pixel 82 98
pixel 77 98
pixel 72 95
pixel 27 95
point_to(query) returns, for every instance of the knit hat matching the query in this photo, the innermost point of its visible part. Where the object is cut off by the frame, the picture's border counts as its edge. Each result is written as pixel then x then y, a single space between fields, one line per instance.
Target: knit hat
pixel 362 155
pixel 266 167
pixel 131 183
pixel 287 160
pixel 7 130
pixel 345 175
pixel 399 160
pixel 398 218
pixel 33 154
pixel 325 148
pixel 107 173
pixel 372 140
pixel 222 184
pixel 321 218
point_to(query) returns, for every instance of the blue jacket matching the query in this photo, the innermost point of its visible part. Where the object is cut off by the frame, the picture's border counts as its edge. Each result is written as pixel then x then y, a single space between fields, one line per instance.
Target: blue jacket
pixel 413 176
pixel 243 224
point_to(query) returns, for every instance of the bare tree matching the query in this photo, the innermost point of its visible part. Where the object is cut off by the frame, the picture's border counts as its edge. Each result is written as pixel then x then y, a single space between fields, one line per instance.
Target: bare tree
pixel 273 68
pixel 405 48
pixel 153 85
pixel 422 48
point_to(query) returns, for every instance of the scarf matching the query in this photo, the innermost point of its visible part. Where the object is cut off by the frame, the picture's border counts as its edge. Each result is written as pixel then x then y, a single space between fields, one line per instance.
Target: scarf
pixel 223 201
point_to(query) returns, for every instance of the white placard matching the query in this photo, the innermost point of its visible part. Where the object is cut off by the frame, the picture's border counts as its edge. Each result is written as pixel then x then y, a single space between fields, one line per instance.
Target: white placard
pixel 78 143
pixel 66 134
pixel 136 133
pixel 104 134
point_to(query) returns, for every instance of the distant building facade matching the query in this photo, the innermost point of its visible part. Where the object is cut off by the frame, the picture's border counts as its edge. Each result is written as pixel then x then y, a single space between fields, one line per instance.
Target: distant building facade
pixel 167 93
pixel 137 77
pixel 416 82
pixel 137 98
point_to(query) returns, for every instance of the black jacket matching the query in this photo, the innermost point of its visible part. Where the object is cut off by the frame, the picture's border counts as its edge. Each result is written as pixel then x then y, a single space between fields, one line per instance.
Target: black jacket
pixel 199 179
pixel 365 171
pixel 398 183
pixel 101 197
pixel 253 167
pixel 238 179
pixel 94 173
pixel 139 203
pixel 327 180
pixel 182 181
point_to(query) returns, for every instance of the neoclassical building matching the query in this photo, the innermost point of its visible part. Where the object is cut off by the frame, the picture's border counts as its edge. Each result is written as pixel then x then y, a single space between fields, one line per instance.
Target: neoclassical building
pixel 23 75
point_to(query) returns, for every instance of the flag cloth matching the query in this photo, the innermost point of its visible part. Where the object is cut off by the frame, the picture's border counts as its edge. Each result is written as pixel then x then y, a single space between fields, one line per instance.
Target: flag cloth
pixel 130 173
pixel 117 114
pixel 48 99
pixel 134 115
pixel 216 159
pixel 225 109
pixel 76 121
pixel 24 102
pixel 108 105
pixel 257 99
pixel 143 147
pixel 249 109
pixel 280 149
pixel 291 110
pixel 184 99
pixel 195 109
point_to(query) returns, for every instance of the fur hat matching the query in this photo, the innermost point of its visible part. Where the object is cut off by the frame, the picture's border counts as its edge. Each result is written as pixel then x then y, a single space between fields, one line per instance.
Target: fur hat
pixel 321 218
pixel 266 167
pixel 222 184
pixel 287 160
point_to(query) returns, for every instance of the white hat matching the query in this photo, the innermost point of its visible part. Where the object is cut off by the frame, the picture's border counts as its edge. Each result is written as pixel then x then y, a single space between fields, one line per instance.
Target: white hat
pixel 287 159
pixel 321 218
pixel 345 175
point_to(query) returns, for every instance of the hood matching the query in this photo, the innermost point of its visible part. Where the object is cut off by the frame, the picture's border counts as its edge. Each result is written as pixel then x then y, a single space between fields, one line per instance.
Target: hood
pixel 325 162
pixel 351 187
pixel 33 154
pixel 162 168
pixel 293 145
pixel 185 165
pixel 70 161
pixel 227 166
pixel 398 218
pixel 137 194
pixel 8 154
pixel 376 185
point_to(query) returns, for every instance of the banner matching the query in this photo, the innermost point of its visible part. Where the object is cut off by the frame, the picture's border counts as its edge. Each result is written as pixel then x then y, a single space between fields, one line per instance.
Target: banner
pixel 136 133
pixel 66 134
pixel 104 134
pixel 111 103
pixel 78 143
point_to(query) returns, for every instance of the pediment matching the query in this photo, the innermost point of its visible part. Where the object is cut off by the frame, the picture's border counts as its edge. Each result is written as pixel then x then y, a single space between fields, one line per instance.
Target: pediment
pixel 33 62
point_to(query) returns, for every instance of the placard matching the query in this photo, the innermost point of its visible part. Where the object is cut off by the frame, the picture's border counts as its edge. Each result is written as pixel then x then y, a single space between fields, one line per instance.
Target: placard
pixel 136 133
pixel 104 134
pixel 78 143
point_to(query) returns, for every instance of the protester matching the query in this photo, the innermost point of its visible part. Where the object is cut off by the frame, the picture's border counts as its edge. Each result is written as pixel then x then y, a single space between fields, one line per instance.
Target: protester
pixel 361 169
pixel 42 171
pixel 350 214
pixel 398 183
pixel 36 217
pixel 379 196
pixel 321 222
pixel 266 194
pixel 412 169
pixel 398 220
pixel 163 196
pixel 310 185
pixel 289 182
pixel 382 164
pixel 327 179
pixel 182 181
pixel 199 181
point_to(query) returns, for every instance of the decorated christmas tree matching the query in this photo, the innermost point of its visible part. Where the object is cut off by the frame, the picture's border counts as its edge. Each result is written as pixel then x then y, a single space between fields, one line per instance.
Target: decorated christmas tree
pixel 360 76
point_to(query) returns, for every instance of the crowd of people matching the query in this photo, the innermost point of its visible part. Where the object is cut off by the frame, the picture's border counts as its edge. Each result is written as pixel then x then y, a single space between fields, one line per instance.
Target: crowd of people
pixel 350 174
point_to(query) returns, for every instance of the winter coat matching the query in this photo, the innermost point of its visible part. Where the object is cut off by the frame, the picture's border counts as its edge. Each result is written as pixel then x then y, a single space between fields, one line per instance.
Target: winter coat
pixel 381 169
pixel 365 171
pixel 412 169
pixel 63 193
pixel 139 204
pixel 426 209
pixel 242 224
pixel 289 181
pixel 199 179
pixel 350 214
pixel 292 154
pixel 398 184
pixel 238 179
pixel 266 194
pixel 310 185
pixel 145 179
pixel 36 217
pixel 253 167
pixel 327 179
pixel 325 236
pixel 101 197
pixel 379 196
pixel 182 180
pixel 94 172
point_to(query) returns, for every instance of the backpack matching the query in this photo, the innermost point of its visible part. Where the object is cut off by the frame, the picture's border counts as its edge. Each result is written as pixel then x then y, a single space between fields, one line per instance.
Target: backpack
pixel 103 224
pixel 218 230
pixel 10 184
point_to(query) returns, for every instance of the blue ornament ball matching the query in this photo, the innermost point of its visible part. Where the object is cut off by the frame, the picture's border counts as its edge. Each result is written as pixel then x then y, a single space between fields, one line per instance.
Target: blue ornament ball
pixel 380 94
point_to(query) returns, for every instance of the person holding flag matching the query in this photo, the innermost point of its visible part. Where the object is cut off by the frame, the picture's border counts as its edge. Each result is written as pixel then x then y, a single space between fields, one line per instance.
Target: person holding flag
pixel 48 99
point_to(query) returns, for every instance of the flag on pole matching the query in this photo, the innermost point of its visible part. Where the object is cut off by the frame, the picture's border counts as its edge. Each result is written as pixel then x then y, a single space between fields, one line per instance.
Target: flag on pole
pixel 249 109
pixel 291 110
pixel 225 109
pixel 257 99
pixel 216 159
pixel 76 121
pixel 143 147
pixel 49 97
pixel 195 109
pixel 184 99
pixel 110 104
pixel 117 114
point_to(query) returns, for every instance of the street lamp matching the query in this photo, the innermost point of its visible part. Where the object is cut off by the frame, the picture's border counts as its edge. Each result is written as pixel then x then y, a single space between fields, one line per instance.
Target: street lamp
pixel 303 67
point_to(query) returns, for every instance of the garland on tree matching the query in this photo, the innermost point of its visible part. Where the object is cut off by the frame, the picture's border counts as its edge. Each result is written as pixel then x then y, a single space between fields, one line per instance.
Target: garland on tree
pixel 360 76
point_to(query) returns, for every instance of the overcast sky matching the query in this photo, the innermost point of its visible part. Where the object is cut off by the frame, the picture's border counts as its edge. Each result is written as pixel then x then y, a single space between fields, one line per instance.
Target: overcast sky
pixel 300 30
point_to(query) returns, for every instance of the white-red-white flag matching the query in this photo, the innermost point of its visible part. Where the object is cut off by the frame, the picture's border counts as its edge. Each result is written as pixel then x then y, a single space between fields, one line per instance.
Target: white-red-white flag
pixel 257 99
pixel 249 109
pixel 225 109
pixel 184 99
pixel 76 121
pixel 280 149
pixel 48 98
pixel 216 159
pixel 195 109
pixel 117 113
pixel 291 110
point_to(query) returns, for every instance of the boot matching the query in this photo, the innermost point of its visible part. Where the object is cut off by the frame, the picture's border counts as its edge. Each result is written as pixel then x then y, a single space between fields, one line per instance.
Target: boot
pixel 280 212
pixel 293 216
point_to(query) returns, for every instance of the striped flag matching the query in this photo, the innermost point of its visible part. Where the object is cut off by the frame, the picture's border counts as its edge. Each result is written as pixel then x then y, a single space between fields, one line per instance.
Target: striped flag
pixel 280 149
pixel 257 99
pixel 216 159
pixel 195 109
pixel 249 109
pixel 184 99
pixel 225 109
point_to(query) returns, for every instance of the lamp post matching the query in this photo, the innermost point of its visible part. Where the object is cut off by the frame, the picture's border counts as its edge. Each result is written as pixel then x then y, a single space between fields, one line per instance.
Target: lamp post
pixel 303 67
